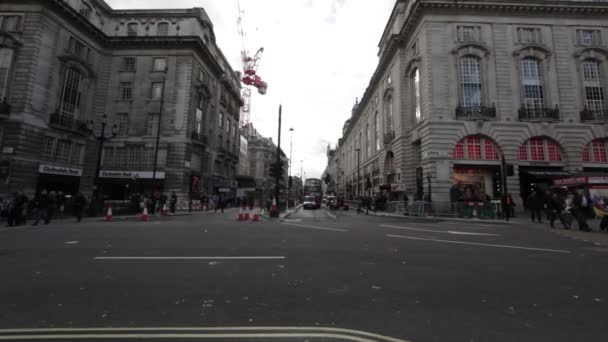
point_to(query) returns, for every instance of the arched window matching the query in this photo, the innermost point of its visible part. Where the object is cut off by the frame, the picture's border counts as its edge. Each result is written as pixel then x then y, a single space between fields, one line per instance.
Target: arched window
pixel 593 87
pixel 368 145
pixel 470 81
pixel 162 29
pixel 476 147
pixel 376 132
pixel 533 97
pixel 389 115
pixel 416 94
pixel 540 149
pixel 595 151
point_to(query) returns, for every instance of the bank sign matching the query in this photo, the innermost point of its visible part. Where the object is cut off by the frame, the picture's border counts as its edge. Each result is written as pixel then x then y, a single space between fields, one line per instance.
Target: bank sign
pixel 59 170
pixel 131 174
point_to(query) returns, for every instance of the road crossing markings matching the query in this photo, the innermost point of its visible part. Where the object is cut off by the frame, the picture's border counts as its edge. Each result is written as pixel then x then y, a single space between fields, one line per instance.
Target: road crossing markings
pixel 438 231
pixel 480 244
pixel 316 227
pixel 71 242
pixel 190 258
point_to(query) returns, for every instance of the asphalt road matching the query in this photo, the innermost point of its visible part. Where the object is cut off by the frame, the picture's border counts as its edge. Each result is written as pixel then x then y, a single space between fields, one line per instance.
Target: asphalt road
pixel 317 270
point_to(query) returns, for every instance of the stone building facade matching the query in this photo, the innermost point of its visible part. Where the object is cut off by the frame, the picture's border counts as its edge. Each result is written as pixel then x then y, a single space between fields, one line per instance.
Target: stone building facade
pixel 261 154
pixel 462 84
pixel 70 66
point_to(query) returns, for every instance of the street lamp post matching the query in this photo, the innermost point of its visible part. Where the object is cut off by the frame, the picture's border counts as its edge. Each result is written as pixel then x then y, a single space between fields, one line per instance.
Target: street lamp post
pixel 101 139
pixel 289 195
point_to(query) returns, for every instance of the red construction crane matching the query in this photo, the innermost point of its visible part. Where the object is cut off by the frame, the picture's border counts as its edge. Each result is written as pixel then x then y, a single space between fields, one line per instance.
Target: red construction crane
pixel 250 69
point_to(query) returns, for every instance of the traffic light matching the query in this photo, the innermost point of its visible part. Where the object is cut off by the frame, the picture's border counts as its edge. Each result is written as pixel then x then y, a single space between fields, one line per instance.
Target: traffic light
pixel 290 181
pixel 276 169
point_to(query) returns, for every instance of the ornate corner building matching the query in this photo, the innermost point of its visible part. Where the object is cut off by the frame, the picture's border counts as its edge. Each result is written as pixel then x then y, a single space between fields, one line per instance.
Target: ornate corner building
pixel 93 96
pixel 462 84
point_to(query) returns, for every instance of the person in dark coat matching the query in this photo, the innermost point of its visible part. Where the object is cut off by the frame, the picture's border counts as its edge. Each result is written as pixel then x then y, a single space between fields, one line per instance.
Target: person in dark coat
pixel 80 203
pixel 41 206
pixel 173 202
pixel 555 209
pixel 536 204
pixel 579 210
pixel 12 210
pixel 455 196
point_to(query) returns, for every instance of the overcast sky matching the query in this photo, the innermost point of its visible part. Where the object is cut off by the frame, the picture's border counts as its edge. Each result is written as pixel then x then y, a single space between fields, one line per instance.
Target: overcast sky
pixel 319 56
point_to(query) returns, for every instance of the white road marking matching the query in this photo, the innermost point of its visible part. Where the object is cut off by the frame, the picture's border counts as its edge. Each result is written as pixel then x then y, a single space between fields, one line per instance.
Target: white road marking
pixel 71 242
pixel 480 244
pixel 340 332
pixel 189 258
pixel 330 215
pixel 315 227
pixel 438 231
pixel 187 336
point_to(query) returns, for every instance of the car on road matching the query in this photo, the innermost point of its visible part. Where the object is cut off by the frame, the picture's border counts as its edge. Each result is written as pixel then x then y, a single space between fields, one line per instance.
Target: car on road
pixel 309 202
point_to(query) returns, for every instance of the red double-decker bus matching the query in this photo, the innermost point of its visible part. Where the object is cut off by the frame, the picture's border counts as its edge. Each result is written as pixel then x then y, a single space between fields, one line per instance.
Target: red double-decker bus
pixel 312 187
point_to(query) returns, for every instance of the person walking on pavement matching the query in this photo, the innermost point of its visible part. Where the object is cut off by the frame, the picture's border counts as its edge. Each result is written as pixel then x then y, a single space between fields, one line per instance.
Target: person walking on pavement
pixel 52 206
pixel 80 203
pixel 555 210
pixel 173 203
pixel 41 206
pixel 579 207
pixel 21 208
pixel 60 203
pixel 455 196
pixel 536 205
pixel 12 210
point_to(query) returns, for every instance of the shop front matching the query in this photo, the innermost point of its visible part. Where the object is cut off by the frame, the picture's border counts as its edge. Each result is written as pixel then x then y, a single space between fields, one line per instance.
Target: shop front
pixel 224 189
pixel 58 178
pixel 596 185
pixel 120 185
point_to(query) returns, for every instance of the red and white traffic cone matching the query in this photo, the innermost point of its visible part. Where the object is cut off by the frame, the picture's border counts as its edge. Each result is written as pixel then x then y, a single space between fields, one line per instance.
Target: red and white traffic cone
pixel 145 217
pixel 256 215
pixel 241 217
pixel 274 204
pixel 165 211
pixel 246 214
pixel 109 213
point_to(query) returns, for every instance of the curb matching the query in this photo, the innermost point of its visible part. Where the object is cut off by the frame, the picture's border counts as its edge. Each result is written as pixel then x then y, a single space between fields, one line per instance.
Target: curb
pixel 442 219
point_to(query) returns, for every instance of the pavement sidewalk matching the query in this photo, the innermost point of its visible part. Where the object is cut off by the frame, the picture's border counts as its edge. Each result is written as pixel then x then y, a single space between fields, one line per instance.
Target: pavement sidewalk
pixel 435 218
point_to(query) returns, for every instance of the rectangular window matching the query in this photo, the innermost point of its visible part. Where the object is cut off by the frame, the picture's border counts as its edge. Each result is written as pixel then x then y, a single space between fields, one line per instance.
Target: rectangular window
pixel 529 35
pixel 134 157
pixel 537 150
pixel 469 33
pixel 47 147
pixel 160 64
pixel 157 90
pixel 62 151
pixel 70 97
pixel 228 126
pixel 594 87
pixel 163 29
pixel 470 81
pixel 198 121
pixel 76 155
pixel 221 120
pixel 589 37
pixel 125 90
pixel 6 60
pixel 128 64
pixel 120 156
pixel 148 157
pixel 532 87
pixel 123 124
pixel 108 157
pixel 10 23
pixel 416 86
pixel 474 148
pixel 78 48
pixel 152 124
pixel 132 29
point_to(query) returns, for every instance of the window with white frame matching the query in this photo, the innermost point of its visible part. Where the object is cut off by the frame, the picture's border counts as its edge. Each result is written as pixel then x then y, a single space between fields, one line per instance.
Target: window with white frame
pixel 529 35
pixel 593 86
pixel 476 147
pixel 132 29
pixel 416 95
pixel 160 64
pixel 157 90
pixel 152 124
pixel 162 29
pixel 125 90
pixel 62 151
pixel 128 64
pixel 70 93
pixel 78 48
pixel 368 144
pixel 376 132
pixel 532 84
pixel 470 81
pixel 469 33
pixel 76 153
pixel 221 120
pixel 123 124
pixel 389 115
pixel 589 37
pixel 6 61
pixel 198 121
pixel 540 149
pixel 595 151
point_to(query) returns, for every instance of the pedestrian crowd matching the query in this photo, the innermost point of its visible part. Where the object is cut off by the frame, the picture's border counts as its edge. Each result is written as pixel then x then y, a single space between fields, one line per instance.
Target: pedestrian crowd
pixel 42 208
pixel 567 207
